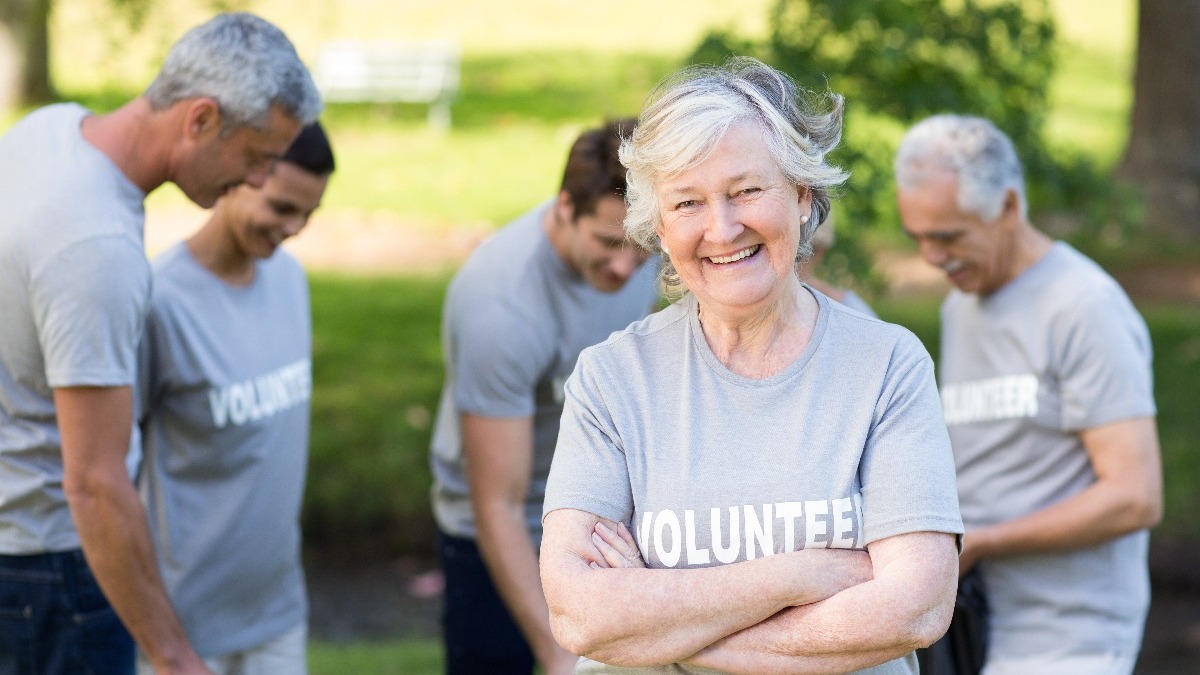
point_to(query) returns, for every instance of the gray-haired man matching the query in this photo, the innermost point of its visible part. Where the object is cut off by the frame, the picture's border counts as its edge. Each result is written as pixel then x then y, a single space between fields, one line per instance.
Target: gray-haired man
pixel 74 286
pixel 1046 388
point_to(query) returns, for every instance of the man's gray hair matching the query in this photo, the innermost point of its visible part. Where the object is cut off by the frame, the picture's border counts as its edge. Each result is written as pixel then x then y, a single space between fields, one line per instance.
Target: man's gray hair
pixel 972 149
pixel 243 62
pixel 688 114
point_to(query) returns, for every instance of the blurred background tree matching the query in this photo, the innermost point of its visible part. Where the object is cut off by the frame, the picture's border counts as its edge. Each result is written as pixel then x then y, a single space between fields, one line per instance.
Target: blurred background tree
pixel 24 53
pixel 26 78
pixel 1163 155
pixel 898 61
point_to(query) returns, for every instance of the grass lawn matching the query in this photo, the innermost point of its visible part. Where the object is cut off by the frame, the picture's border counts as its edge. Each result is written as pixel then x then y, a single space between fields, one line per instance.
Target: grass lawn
pixel 378 371
pixel 408 656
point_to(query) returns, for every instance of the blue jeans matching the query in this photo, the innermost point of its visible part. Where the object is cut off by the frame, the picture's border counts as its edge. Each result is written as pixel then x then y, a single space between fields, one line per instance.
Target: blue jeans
pixel 54 620
pixel 480 635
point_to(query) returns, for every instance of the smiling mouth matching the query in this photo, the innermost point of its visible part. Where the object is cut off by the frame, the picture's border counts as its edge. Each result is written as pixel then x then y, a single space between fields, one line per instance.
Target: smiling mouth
pixel 742 254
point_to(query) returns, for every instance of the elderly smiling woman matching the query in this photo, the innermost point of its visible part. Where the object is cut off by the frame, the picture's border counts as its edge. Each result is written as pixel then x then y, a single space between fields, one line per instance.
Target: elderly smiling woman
pixel 754 479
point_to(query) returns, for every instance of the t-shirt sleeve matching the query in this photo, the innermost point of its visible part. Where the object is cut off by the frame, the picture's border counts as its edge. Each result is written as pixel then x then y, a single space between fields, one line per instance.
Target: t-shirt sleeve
pixel 498 355
pixel 1104 356
pixel 89 304
pixel 589 471
pixel 907 468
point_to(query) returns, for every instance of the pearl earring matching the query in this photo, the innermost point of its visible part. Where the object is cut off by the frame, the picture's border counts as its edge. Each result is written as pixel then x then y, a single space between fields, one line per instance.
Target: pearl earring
pixel 804 220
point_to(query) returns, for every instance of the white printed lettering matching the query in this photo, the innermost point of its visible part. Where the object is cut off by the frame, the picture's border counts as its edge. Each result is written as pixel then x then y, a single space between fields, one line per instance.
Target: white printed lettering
pixel 843 528
pixel 726 554
pixel 695 556
pixel 759 532
pixel 667 519
pixel 815 524
pixel 789 512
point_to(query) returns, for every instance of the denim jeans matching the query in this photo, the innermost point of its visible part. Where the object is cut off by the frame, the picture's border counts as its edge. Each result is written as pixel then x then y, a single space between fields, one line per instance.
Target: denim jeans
pixel 55 620
pixel 480 635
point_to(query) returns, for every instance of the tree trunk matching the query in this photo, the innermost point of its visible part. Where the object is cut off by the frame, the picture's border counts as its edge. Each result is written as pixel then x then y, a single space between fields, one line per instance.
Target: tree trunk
pixel 24 53
pixel 1163 155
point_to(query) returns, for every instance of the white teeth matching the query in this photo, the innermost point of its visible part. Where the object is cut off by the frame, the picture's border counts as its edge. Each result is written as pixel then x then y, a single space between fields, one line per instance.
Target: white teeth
pixel 952 266
pixel 744 253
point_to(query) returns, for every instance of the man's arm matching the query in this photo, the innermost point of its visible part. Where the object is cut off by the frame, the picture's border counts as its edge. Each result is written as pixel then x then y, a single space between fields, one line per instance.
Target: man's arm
pixel 95 424
pixel 1126 497
pixel 499 462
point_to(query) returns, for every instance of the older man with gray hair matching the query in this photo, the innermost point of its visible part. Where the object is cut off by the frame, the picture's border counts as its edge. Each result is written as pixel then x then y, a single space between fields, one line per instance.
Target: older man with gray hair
pixel 1046 386
pixel 74 288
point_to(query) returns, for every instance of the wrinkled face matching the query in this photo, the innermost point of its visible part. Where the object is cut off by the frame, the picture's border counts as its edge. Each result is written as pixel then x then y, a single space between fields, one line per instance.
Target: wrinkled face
pixel 222 162
pixel 598 249
pixel 731 224
pixel 261 218
pixel 976 255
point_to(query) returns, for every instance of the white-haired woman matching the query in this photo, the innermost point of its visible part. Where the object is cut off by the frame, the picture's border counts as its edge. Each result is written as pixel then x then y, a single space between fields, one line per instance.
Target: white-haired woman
pixel 781 460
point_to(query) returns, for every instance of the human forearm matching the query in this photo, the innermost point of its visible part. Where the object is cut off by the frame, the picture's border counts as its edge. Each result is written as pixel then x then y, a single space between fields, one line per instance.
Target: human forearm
pixel 1089 518
pixel 499 454
pixel 1126 497
pixel 508 552
pixel 95 425
pixel 115 540
pixel 906 606
pixel 637 616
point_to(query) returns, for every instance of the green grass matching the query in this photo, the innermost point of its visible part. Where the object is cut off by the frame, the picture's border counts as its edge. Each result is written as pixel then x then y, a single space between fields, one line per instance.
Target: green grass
pixel 377 375
pixel 408 656
pixel 378 372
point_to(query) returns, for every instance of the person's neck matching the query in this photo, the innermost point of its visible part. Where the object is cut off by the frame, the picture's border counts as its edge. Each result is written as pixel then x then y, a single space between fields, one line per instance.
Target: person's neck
pixel 136 139
pixel 555 226
pixel 214 248
pixel 1028 247
pixel 761 341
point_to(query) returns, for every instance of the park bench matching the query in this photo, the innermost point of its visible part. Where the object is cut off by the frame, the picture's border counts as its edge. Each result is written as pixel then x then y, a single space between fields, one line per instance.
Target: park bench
pixel 391 71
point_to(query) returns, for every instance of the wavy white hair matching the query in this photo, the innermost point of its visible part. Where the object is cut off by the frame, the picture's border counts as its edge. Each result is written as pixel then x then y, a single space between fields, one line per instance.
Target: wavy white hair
pixel 688 114
pixel 978 154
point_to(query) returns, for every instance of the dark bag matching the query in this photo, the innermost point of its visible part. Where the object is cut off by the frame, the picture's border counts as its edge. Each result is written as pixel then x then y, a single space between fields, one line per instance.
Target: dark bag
pixel 963 649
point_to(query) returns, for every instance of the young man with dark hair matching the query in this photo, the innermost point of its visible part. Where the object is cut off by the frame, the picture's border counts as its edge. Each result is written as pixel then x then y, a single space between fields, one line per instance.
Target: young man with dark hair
pixel 225 385
pixel 560 278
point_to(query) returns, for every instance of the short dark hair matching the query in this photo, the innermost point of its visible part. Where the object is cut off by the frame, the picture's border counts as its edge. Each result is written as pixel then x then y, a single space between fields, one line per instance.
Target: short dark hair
pixel 594 169
pixel 311 151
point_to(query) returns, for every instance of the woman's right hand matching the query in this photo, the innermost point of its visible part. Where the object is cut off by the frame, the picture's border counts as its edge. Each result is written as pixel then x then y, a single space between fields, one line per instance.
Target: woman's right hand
pixel 616 546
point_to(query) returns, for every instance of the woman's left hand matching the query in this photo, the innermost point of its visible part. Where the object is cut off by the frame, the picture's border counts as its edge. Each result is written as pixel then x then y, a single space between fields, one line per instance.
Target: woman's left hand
pixel 616 546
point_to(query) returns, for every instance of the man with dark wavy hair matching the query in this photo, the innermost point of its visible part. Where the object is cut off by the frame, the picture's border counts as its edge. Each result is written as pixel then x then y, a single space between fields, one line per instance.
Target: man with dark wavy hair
pixel 556 280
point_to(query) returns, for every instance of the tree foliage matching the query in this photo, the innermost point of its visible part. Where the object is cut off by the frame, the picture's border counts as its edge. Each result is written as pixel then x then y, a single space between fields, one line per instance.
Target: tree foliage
pixel 907 59
pixel 898 61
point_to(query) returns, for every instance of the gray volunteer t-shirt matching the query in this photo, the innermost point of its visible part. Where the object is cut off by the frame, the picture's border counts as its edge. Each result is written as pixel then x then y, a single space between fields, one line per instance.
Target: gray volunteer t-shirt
pixel 846 446
pixel 1057 350
pixel 515 319
pixel 226 383
pixel 74 283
